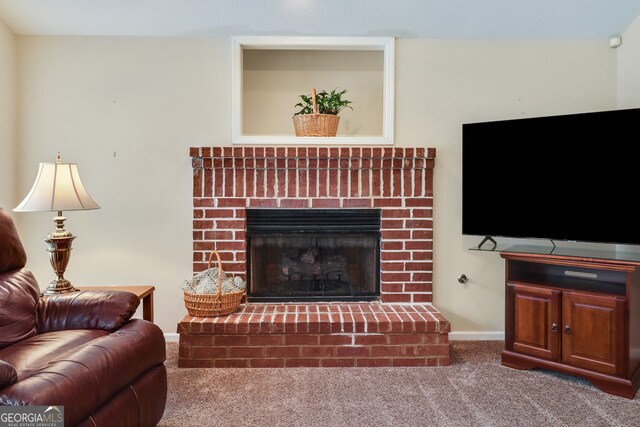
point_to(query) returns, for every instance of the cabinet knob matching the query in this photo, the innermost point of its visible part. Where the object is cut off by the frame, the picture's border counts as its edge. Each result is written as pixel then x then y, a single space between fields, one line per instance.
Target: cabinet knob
pixel 554 328
pixel 567 329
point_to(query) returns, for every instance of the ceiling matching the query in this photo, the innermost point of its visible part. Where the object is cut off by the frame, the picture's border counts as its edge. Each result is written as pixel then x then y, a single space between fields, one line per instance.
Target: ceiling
pixel 464 19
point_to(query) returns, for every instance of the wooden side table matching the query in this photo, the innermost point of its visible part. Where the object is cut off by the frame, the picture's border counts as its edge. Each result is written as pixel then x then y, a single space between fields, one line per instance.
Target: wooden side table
pixel 144 293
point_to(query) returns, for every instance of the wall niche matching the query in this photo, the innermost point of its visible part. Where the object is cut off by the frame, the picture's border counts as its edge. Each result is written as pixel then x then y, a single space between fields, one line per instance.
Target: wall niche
pixel 269 74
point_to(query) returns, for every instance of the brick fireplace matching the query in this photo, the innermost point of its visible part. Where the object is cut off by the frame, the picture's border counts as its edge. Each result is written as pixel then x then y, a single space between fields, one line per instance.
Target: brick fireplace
pixel 396 181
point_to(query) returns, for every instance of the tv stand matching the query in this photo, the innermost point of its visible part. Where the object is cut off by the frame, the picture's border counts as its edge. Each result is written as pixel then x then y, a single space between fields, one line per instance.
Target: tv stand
pixel 575 315
pixel 488 239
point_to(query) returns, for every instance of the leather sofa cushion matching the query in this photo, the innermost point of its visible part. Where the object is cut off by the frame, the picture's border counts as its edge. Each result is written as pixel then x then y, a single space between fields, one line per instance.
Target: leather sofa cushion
pixel 12 255
pixel 8 374
pixel 18 297
pixel 32 355
pixel 141 404
pixel 86 378
pixel 106 310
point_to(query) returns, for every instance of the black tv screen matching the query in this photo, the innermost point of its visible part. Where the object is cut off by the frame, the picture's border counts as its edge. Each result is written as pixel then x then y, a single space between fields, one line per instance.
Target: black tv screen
pixel 571 177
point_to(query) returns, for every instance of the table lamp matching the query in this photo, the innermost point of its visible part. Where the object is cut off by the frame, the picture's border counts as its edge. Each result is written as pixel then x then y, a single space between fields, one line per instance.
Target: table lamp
pixel 58 188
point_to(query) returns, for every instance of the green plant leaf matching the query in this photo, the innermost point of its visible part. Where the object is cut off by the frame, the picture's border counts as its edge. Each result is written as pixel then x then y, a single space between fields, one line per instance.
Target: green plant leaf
pixel 328 103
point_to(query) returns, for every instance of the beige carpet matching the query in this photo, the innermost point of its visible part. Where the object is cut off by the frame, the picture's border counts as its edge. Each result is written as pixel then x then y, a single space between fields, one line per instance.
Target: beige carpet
pixel 474 391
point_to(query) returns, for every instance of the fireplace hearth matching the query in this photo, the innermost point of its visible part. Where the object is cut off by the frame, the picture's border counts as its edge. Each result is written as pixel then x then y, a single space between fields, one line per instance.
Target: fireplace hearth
pixel 236 189
pixel 313 254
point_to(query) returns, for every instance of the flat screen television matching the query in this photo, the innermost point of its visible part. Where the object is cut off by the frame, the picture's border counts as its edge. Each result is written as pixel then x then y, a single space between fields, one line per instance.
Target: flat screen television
pixel 568 178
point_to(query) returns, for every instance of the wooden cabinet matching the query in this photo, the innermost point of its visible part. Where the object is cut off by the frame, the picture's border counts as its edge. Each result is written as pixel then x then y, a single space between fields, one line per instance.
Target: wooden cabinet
pixel 574 315
pixel 593 332
pixel 535 325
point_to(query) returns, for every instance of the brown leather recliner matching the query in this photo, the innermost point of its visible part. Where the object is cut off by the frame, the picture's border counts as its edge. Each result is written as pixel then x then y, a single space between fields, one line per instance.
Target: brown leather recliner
pixel 77 350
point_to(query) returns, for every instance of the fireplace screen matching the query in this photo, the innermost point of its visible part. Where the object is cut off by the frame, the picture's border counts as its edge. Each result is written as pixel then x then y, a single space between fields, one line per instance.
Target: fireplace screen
pixel 298 255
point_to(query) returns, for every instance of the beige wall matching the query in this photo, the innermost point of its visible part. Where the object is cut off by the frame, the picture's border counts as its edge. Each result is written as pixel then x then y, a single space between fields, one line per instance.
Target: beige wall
pixel 442 84
pixel 274 79
pixel 8 100
pixel 127 109
pixel 629 67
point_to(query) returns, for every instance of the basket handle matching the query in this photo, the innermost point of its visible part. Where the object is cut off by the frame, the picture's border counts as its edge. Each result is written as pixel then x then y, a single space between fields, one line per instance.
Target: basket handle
pixel 315 104
pixel 219 270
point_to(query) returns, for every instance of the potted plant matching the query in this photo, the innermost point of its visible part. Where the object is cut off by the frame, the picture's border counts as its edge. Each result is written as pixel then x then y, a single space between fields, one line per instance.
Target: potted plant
pixel 318 115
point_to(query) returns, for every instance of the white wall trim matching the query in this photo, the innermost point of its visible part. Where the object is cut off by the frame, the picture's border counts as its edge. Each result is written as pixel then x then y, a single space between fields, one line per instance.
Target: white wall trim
pixel 384 44
pixel 476 336
pixel 312 140
pixel 171 337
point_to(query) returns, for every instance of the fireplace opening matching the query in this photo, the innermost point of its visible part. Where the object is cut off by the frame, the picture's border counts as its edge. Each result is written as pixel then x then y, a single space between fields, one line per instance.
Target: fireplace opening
pixel 313 254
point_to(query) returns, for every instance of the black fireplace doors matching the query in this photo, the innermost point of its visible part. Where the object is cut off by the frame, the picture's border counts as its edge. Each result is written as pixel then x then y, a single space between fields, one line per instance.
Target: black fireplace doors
pixel 313 254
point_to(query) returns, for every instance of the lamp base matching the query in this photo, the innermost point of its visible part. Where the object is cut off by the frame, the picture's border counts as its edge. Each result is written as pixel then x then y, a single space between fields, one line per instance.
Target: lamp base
pixel 58 286
pixel 59 248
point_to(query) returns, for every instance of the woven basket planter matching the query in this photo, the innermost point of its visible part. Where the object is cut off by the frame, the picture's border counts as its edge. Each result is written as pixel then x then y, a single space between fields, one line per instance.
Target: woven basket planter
pixel 213 305
pixel 316 124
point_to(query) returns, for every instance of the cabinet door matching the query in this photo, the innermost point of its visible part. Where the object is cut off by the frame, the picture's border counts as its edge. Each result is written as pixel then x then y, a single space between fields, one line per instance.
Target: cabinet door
pixel 593 332
pixel 536 320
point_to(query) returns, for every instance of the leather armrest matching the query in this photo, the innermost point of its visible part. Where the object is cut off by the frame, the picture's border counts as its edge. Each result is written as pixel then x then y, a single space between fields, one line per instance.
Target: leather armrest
pixel 106 310
pixel 8 374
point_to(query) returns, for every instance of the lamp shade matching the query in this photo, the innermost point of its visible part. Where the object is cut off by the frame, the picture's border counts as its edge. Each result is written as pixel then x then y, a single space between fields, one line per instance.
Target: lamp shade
pixel 57 188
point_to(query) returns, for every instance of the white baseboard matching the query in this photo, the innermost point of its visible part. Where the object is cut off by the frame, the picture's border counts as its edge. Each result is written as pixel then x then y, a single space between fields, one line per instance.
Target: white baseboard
pixel 171 337
pixel 476 336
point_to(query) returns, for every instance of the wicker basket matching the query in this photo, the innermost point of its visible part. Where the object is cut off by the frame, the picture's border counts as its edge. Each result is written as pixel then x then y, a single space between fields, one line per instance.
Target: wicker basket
pixel 316 124
pixel 213 305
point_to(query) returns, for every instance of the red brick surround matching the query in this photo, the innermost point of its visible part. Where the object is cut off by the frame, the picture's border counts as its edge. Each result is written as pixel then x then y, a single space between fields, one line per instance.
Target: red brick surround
pixel 403 329
pixel 397 180
pixel 317 335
